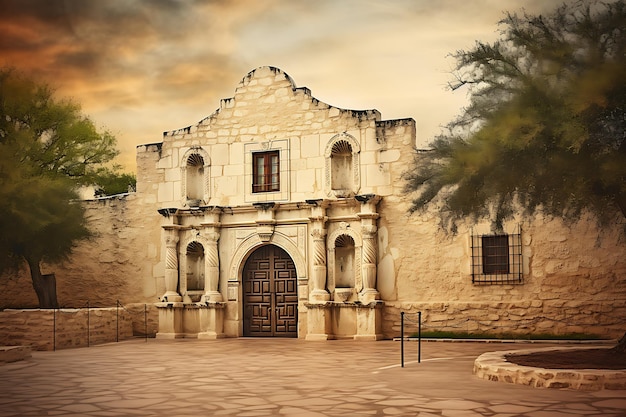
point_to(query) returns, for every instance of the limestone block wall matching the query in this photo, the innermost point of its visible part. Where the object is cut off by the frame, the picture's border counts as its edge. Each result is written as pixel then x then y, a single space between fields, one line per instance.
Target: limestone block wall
pixel 116 264
pixel 64 328
pixel 573 281
pixel 574 277
pixel 144 318
pixel 269 112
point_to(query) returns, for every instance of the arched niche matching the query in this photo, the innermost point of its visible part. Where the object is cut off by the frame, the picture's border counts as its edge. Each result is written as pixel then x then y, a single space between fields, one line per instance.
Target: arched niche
pixel 342 166
pixel 345 249
pixel 195 177
pixel 195 270
pixel 192 264
pixel 344 270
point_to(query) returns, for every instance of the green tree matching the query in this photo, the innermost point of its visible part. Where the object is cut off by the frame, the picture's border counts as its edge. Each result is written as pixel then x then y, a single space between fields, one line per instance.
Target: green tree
pixel 47 150
pixel 546 124
pixel 113 183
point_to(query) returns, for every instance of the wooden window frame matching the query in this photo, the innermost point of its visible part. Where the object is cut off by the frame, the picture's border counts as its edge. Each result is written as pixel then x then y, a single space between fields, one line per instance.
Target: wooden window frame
pixel 265 171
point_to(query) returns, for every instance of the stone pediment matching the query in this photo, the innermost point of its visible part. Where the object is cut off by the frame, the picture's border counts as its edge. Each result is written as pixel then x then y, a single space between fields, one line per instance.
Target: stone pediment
pixel 258 108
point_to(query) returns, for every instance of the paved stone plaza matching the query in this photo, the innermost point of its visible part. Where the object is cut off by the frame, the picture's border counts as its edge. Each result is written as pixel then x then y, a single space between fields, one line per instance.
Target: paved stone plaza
pixel 279 377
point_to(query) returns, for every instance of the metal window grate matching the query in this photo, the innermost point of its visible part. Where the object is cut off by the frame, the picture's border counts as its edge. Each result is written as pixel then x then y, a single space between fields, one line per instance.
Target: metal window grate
pixel 497 258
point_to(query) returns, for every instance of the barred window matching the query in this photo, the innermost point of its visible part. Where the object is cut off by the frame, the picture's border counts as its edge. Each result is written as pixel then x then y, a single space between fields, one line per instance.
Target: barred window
pixel 495 254
pixel 265 172
pixel 497 258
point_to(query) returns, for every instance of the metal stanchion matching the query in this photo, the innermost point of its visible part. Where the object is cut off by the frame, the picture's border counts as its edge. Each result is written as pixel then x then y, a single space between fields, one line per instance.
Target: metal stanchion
pixel 117 321
pixel 88 325
pixel 402 338
pixel 419 337
pixel 54 329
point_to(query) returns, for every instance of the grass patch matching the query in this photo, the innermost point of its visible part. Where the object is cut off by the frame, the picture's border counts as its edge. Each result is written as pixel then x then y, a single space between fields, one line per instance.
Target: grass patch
pixel 500 336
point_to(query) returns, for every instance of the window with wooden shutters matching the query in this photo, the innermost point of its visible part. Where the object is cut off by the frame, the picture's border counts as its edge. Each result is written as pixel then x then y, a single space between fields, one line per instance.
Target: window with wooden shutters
pixel 265 171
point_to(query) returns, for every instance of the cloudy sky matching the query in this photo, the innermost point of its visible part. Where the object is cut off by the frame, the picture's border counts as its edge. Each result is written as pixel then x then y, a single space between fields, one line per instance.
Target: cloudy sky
pixel 141 67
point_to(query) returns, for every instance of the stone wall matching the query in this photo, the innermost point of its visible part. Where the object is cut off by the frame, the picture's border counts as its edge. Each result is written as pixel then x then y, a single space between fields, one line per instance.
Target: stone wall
pixel 268 112
pixel 573 281
pixel 115 265
pixel 523 318
pixel 574 275
pixel 64 328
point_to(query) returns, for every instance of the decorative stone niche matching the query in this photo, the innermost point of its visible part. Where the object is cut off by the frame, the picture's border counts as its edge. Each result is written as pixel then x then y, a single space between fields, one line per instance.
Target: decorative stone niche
pixel 342 166
pixel 195 177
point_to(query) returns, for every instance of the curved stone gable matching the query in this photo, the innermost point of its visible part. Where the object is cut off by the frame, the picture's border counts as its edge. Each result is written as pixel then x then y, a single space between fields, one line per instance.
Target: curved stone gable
pixel 262 73
pixel 267 101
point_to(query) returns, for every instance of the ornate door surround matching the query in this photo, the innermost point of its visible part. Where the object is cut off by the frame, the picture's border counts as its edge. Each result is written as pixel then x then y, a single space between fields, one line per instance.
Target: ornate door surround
pixel 270 294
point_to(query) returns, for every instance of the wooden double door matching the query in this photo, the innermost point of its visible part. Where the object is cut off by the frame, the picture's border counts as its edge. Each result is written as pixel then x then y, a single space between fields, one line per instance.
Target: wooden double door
pixel 270 294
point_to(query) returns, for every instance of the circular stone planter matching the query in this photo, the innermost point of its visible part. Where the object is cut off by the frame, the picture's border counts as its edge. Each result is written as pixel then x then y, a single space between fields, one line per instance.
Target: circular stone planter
pixel 493 366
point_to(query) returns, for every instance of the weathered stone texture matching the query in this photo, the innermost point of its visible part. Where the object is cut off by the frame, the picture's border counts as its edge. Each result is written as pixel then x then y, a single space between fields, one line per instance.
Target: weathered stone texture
pixel 115 265
pixel 493 366
pixel 574 275
pixel 64 328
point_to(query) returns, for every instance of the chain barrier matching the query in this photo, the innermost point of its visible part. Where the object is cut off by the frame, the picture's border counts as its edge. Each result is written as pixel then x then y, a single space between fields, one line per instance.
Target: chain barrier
pixel 504 325
pixel 145 317
pixel 89 307
pixel 411 323
pixel 418 321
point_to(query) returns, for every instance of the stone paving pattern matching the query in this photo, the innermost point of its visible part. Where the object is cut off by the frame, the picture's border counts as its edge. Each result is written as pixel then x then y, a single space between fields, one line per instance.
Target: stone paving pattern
pixel 279 377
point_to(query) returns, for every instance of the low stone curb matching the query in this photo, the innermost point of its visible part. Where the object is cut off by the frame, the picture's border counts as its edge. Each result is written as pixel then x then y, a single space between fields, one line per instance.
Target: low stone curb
pixel 14 353
pixel 493 366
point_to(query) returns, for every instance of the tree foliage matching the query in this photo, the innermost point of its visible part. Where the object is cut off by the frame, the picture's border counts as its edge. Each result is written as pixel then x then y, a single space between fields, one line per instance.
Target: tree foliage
pixel 47 150
pixel 546 124
pixel 115 183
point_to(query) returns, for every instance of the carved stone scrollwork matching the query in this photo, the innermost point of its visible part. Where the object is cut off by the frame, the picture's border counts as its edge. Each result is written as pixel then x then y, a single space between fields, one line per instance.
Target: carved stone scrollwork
pixel 171 266
pixel 319 293
pixel 265 232
pixel 265 220
pixel 319 247
pixel 369 244
pixel 171 257
pixel 368 216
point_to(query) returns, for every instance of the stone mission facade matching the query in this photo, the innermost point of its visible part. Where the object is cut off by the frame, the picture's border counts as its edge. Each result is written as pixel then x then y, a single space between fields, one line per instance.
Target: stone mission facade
pixel 270 215
pixel 279 215
pixel 285 216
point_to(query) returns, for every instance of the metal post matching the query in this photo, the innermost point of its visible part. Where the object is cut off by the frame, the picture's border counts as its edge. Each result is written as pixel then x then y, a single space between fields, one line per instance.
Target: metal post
pixel 145 320
pixel 88 324
pixel 402 338
pixel 54 329
pixel 419 336
pixel 117 321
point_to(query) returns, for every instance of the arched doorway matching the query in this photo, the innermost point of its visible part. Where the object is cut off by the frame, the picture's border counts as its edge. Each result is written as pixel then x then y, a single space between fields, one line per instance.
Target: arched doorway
pixel 270 294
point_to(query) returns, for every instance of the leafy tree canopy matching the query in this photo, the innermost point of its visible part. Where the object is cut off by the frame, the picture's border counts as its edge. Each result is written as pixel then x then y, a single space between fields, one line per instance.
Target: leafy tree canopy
pixel 546 124
pixel 47 150
pixel 115 183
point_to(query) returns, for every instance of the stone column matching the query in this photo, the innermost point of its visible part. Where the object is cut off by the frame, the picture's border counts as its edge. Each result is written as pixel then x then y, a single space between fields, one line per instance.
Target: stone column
pixel 212 268
pixel 318 281
pixel 318 219
pixel 211 232
pixel 171 265
pixel 369 257
pixel 369 216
